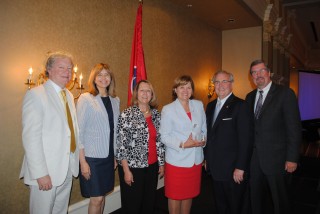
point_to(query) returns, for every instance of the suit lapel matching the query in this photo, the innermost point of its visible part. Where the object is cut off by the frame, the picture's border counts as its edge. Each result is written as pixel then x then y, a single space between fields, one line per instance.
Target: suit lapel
pixel 180 111
pixel 211 113
pixel 252 99
pixel 99 102
pixel 54 99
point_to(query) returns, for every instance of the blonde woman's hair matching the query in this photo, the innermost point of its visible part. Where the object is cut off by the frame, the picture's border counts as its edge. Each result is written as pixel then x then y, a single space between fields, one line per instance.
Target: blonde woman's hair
pixel 134 100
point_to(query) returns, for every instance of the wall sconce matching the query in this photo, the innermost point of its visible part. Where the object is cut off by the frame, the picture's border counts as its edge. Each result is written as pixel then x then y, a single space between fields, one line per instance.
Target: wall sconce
pixel 76 82
pixel 29 82
pixel 42 79
pixel 210 88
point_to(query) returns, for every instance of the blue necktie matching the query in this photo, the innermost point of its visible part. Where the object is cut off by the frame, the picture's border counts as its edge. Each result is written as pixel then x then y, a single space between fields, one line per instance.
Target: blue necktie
pixel 216 111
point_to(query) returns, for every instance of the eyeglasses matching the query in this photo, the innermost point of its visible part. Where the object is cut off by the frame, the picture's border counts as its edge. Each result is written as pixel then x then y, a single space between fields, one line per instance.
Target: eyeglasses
pixel 259 71
pixel 223 82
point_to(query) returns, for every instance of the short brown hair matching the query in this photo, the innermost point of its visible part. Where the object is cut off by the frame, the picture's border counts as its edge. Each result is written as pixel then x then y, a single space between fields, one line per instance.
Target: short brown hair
pixel 134 100
pixel 111 89
pixel 182 80
pixel 257 62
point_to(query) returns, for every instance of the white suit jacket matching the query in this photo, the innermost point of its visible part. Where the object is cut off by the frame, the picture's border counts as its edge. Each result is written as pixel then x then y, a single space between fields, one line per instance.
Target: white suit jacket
pixel 176 128
pixel 46 136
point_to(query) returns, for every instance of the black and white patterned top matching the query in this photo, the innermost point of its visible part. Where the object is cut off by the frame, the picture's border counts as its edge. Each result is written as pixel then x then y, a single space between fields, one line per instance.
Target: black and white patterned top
pixel 133 138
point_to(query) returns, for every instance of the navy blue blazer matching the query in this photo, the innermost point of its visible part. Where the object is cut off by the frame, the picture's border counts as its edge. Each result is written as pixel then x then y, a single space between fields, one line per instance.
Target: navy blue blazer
pixel 230 138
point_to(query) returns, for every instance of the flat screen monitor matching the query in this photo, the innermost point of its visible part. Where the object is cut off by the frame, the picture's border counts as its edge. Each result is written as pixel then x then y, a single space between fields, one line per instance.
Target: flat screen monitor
pixel 309 95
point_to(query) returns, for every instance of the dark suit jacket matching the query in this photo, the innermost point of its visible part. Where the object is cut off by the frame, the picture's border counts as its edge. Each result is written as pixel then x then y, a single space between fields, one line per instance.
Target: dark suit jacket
pixel 277 132
pixel 229 141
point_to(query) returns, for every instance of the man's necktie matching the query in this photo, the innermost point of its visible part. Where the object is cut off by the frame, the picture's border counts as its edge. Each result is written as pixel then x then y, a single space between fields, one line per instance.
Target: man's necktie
pixel 259 105
pixel 216 111
pixel 70 123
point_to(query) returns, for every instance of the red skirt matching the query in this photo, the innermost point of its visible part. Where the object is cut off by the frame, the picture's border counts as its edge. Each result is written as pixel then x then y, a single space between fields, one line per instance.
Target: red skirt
pixel 182 182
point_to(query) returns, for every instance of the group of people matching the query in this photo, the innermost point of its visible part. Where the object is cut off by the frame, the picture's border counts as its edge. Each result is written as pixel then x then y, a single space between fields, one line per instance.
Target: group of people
pixel 253 144
pixel 247 146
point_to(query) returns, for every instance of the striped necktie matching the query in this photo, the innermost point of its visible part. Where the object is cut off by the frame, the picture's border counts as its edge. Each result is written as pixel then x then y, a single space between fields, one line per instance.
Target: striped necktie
pixel 70 123
pixel 259 105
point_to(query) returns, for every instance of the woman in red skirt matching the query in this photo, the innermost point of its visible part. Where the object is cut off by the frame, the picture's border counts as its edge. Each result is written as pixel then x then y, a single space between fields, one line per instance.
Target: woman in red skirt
pixel 183 131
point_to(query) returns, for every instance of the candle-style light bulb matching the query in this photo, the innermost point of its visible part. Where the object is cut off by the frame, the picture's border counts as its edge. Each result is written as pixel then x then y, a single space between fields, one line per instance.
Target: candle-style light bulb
pixel 75 69
pixel 30 74
pixel 81 77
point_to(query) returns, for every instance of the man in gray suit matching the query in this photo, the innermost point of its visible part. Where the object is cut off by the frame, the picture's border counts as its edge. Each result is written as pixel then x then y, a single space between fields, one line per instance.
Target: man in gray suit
pixel 277 138
pixel 49 136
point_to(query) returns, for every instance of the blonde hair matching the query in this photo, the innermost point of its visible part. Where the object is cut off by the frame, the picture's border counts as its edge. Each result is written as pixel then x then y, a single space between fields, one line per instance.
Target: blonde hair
pixel 134 100
pixel 51 58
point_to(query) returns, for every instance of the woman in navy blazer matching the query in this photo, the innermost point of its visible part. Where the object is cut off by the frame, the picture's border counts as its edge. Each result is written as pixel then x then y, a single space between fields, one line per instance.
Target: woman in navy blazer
pixel 183 131
pixel 98 112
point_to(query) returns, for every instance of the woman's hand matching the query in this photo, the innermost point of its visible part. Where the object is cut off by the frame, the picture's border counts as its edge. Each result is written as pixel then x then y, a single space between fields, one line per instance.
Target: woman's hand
pixel 128 177
pixel 161 171
pixel 85 170
pixel 193 143
pixel 115 164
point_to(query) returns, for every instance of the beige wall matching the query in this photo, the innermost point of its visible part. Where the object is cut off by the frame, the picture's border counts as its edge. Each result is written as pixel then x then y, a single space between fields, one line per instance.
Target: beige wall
pixel 93 31
pixel 239 48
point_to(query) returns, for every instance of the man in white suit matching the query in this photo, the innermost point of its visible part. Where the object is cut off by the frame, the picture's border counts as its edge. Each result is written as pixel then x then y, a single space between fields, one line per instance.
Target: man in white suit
pixel 51 157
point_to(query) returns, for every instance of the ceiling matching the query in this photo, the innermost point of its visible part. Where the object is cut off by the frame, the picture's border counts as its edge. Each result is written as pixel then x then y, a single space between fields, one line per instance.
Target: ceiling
pixel 220 13
pixel 307 19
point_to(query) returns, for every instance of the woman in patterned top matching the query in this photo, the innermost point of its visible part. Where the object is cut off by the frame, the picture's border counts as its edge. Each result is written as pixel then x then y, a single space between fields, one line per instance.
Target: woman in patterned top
pixel 98 112
pixel 140 153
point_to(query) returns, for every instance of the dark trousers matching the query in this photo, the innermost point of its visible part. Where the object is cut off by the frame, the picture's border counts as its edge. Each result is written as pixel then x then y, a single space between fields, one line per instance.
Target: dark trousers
pixel 263 187
pixel 230 197
pixel 139 198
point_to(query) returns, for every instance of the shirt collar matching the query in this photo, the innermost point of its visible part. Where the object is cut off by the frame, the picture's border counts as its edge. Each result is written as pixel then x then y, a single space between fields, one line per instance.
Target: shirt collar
pixel 266 89
pixel 224 99
pixel 55 86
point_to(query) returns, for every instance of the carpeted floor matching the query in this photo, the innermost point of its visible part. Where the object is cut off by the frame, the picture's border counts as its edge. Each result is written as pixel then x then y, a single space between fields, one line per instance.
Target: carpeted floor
pixel 305 192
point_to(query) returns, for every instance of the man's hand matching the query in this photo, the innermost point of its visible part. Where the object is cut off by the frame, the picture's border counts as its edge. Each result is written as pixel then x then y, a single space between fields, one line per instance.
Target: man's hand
pixel 290 166
pixel 44 183
pixel 238 175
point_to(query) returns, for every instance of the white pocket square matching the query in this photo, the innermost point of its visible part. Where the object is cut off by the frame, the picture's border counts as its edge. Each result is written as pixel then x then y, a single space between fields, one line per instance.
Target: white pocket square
pixel 229 118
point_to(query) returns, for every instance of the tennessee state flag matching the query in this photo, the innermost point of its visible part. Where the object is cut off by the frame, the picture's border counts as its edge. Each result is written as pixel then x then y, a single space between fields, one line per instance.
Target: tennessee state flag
pixel 137 65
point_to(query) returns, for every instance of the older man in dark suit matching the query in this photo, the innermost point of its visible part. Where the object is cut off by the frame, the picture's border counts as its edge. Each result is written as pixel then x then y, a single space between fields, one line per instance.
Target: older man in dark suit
pixel 229 145
pixel 277 138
